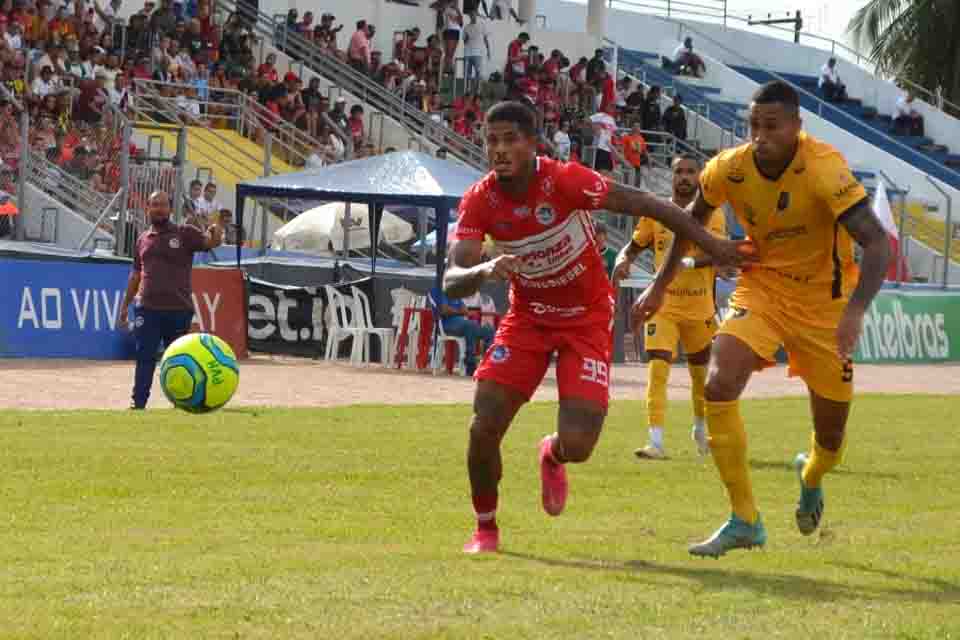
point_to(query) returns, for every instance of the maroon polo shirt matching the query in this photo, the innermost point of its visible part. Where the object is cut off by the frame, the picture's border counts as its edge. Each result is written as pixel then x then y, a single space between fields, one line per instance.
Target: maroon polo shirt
pixel 164 259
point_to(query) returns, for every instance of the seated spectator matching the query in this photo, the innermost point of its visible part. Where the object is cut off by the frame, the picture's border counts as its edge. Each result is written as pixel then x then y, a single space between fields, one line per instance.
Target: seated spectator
pixel 908 121
pixel 548 101
pixel 595 66
pixel 339 113
pixel 686 62
pixel 651 110
pixel 119 95
pixel 609 254
pixel 675 119
pixel 636 154
pixel 830 84
pixel 232 232
pixel 268 69
pixel 46 84
pixel 455 323
pixel 492 90
pixel 208 203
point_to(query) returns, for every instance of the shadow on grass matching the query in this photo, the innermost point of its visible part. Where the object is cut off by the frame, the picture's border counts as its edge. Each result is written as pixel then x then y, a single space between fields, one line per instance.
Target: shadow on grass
pixel 949 590
pixel 789 587
pixel 771 465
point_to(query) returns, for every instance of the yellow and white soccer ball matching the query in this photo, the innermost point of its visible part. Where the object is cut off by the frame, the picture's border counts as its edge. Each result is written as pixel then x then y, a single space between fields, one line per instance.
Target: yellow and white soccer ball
pixel 199 373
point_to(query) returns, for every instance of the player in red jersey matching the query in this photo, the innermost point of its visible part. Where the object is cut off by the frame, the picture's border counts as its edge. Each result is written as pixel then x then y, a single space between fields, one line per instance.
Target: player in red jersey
pixel 538 212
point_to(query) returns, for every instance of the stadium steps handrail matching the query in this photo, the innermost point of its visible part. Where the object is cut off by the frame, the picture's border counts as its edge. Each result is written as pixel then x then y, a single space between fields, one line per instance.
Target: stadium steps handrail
pixel 348 79
pixel 934 98
pixel 822 105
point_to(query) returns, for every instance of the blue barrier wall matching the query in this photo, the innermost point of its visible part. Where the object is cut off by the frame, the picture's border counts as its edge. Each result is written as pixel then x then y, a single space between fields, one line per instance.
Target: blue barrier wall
pixel 63 309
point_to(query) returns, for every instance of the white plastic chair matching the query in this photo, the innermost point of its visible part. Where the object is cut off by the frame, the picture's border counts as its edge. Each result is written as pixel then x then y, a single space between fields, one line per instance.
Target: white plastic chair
pixel 340 327
pixel 413 331
pixel 364 322
pixel 440 346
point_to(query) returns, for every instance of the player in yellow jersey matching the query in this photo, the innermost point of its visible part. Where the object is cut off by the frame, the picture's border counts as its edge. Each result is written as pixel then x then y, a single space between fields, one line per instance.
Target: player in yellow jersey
pixel 800 205
pixel 687 314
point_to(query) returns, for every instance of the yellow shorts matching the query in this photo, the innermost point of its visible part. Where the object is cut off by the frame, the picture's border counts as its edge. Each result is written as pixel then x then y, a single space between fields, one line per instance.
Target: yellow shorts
pixel 812 351
pixel 662 332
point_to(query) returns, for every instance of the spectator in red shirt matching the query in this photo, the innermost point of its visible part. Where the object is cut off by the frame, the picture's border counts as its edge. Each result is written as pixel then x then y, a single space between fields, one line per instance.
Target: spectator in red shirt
pixel 529 87
pixel 548 100
pixel 608 90
pixel 268 69
pixel 355 125
pixel 552 65
pixel 516 59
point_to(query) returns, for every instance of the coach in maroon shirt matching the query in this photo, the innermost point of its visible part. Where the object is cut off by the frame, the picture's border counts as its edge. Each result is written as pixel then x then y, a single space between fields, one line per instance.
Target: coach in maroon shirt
pixel 159 287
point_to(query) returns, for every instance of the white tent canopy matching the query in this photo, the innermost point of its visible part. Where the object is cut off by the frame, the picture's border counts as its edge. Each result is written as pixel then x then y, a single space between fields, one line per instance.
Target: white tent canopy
pixel 321 230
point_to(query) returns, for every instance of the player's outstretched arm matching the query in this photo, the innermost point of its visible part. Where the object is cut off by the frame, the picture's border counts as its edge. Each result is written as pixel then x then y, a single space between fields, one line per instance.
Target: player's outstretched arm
pixel 467 271
pixel 642 204
pixel 864 227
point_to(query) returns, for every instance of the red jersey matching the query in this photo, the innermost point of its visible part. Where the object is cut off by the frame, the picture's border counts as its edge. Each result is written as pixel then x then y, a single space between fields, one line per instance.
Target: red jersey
pixel 562 280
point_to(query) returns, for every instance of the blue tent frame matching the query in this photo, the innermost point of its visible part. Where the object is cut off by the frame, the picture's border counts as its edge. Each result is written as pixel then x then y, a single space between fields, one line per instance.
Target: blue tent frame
pixel 406 177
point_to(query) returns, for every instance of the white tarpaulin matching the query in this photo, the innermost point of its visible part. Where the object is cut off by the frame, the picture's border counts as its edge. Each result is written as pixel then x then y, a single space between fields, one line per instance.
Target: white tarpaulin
pixel 321 229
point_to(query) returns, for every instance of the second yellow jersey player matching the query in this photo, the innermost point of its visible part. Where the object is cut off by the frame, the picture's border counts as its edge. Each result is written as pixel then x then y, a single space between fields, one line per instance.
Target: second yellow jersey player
pixel 687 317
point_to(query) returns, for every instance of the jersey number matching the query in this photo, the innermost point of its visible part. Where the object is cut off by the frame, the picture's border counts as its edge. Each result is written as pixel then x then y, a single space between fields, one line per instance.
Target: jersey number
pixel 595 371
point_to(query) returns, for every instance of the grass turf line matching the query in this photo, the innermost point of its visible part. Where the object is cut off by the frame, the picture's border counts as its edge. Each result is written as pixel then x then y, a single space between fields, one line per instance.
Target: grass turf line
pixel 347 523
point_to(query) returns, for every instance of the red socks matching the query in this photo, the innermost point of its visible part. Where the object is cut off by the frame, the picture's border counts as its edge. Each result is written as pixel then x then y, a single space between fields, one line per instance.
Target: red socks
pixel 485 506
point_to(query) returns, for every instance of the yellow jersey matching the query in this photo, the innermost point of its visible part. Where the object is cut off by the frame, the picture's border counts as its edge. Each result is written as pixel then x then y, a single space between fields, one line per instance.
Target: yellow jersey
pixel 690 294
pixel 805 256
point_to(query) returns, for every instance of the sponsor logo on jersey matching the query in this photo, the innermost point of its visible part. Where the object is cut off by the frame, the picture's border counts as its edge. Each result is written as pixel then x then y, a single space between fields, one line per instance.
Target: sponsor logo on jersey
pixel 499 353
pixel 503 225
pixel 736 176
pixel 541 308
pixel 787 233
pixel 546 215
pixel 522 212
pixel 468 231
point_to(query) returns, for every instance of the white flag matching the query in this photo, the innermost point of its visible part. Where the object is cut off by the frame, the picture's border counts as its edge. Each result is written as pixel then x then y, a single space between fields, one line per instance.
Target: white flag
pixel 881 206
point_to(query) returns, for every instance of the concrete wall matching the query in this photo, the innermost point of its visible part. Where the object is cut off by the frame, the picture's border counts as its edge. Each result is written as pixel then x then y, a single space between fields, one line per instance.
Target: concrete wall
pixel 50 221
pixel 928 263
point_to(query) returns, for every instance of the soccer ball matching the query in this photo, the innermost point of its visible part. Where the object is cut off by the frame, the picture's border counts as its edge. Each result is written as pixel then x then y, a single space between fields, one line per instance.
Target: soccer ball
pixel 199 373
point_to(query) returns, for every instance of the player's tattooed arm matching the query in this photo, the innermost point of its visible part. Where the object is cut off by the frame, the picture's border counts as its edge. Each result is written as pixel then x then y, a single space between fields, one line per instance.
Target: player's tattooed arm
pixel 467 271
pixel 862 224
pixel 642 204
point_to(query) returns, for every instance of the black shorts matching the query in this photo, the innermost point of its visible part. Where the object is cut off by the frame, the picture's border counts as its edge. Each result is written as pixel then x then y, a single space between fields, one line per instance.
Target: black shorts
pixel 602 160
pixel 451 35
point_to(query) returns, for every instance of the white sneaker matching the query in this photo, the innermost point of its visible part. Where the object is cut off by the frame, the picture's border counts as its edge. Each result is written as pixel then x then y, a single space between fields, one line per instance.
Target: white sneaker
pixel 650 452
pixel 699 435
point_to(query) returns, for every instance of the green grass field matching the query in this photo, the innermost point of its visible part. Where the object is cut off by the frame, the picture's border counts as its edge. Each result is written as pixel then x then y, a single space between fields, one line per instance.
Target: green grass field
pixel 348 523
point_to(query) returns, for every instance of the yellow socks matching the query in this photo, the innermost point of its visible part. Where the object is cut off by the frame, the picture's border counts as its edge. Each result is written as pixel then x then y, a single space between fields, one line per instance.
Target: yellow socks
pixel 698 381
pixel 657 375
pixel 820 462
pixel 728 445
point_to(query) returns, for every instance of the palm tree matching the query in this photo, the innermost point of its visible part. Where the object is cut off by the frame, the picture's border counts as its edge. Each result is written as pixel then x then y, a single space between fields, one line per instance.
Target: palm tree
pixel 913 39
